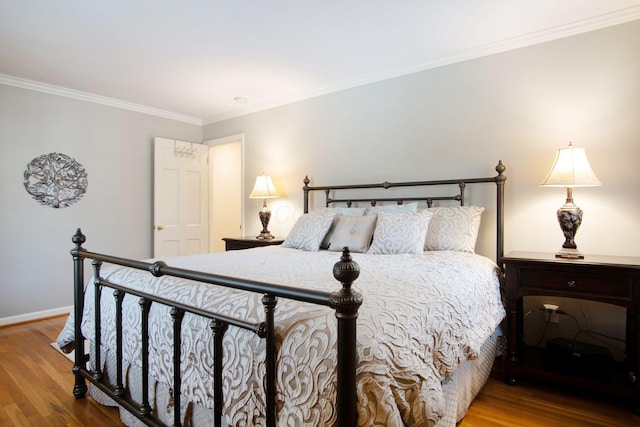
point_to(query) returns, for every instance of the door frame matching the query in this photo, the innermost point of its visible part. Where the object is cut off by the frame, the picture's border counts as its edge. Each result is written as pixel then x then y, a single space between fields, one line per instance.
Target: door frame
pixel 239 137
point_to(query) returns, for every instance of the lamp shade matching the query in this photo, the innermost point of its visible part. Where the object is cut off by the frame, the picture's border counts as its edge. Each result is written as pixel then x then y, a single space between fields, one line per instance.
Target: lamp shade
pixel 263 188
pixel 571 169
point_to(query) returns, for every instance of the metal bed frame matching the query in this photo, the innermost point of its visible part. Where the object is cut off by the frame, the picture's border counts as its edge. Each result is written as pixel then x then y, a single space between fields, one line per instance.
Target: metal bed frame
pixel 499 180
pixel 344 301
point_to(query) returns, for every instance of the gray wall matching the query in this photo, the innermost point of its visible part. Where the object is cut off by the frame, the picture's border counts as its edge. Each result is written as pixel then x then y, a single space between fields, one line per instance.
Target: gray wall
pixel 115 148
pixel 458 120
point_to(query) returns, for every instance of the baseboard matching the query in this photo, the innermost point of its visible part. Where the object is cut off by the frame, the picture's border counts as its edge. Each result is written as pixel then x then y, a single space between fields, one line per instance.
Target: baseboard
pixel 28 317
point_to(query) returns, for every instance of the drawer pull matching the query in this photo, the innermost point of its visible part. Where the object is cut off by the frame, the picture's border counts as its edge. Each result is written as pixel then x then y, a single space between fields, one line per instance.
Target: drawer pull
pixel 571 283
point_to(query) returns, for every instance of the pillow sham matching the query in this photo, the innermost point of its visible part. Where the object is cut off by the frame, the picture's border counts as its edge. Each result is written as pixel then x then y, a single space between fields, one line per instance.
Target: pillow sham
pixel 340 211
pixel 354 232
pixel 454 228
pixel 309 230
pixel 408 207
pixel 401 233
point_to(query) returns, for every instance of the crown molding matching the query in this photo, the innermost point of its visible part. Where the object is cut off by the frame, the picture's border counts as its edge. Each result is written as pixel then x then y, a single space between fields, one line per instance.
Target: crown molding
pixel 550 34
pixel 97 99
pixel 538 37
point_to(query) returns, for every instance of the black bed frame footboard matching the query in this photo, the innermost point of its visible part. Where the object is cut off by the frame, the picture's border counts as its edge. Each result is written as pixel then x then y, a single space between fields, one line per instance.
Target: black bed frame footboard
pixel 345 302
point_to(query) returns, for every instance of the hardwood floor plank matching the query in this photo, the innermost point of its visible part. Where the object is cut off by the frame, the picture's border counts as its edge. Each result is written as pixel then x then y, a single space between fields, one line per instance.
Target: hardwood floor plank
pixel 37 386
pixel 14 416
pixel 15 394
pixel 541 404
pixel 37 383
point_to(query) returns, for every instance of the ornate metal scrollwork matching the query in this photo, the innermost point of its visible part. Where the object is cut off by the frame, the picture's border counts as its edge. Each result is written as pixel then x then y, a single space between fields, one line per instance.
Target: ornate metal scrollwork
pixel 55 180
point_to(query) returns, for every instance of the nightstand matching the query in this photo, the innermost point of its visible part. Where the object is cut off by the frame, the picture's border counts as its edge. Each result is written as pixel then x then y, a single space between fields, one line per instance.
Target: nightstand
pixel 236 243
pixel 609 279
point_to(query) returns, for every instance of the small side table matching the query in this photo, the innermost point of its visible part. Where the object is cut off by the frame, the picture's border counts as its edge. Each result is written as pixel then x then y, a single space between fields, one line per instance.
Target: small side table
pixel 610 279
pixel 246 242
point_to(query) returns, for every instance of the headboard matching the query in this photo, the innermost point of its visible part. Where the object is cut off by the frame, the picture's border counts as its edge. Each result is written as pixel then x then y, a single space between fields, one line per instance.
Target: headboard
pixel 332 196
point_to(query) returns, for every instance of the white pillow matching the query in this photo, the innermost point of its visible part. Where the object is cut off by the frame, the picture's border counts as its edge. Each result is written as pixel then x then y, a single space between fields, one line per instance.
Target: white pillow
pixel 340 211
pixel 354 232
pixel 408 207
pixel 454 228
pixel 309 230
pixel 402 233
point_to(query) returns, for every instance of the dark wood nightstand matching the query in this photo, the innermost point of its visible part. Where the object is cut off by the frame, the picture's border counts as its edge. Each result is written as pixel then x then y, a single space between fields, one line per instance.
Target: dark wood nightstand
pixel 236 243
pixel 609 279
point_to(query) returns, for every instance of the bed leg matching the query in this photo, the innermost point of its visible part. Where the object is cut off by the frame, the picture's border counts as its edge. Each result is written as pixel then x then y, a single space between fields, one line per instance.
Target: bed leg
pixel 346 303
pixel 177 315
pixel 269 302
pixel 80 387
pixel 218 329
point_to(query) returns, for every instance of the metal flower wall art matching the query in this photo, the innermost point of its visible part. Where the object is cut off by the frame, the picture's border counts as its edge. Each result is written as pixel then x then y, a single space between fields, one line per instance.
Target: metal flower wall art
pixel 55 180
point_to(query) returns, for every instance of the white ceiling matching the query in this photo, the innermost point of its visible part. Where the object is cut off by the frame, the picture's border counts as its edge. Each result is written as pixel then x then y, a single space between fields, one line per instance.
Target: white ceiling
pixel 189 59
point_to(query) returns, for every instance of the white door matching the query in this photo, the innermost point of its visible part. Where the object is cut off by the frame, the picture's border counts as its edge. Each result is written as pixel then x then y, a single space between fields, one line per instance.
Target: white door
pixel 225 184
pixel 180 195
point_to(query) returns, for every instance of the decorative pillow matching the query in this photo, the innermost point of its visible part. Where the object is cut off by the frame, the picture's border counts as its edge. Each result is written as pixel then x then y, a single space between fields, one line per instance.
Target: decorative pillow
pixel 402 233
pixel 454 228
pixel 354 232
pixel 408 207
pixel 340 211
pixel 309 230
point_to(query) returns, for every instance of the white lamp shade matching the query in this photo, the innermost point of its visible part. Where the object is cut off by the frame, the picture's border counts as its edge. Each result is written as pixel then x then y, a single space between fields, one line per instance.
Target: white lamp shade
pixel 571 169
pixel 263 188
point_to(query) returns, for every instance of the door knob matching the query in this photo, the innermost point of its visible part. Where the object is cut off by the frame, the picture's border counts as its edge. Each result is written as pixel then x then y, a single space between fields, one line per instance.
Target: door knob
pixel 160 228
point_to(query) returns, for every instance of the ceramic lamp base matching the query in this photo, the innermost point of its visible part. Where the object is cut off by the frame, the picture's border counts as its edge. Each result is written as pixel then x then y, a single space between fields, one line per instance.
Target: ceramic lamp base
pixel 569 253
pixel 264 236
pixel 265 216
pixel 569 218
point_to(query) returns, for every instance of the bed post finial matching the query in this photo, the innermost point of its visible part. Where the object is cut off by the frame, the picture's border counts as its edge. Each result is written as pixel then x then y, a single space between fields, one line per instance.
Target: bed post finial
pixel 78 239
pixel 346 271
pixel 346 303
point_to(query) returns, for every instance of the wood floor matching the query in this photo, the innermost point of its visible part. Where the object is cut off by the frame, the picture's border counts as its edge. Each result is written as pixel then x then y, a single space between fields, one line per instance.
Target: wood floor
pixel 36 385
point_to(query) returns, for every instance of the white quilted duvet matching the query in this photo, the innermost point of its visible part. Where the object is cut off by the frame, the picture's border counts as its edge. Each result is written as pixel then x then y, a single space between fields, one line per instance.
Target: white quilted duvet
pixel 422 316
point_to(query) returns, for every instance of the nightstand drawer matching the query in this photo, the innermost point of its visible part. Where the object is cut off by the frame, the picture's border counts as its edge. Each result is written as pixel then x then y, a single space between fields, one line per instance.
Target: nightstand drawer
pixel 577 284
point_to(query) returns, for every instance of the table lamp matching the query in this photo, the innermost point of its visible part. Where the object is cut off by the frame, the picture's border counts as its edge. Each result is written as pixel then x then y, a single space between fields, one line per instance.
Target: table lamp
pixel 264 189
pixel 570 169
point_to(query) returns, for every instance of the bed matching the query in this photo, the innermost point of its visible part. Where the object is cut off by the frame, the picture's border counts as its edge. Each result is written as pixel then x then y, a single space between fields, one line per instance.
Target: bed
pixel 374 311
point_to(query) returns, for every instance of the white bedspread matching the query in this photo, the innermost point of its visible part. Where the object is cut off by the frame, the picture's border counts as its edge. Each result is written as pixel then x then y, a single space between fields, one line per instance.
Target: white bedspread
pixel 422 316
